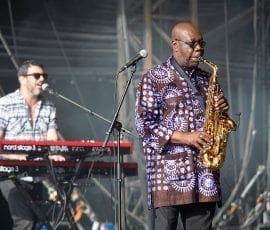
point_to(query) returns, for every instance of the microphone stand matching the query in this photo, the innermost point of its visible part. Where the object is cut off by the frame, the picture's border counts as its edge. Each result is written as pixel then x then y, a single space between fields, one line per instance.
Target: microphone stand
pixel 118 126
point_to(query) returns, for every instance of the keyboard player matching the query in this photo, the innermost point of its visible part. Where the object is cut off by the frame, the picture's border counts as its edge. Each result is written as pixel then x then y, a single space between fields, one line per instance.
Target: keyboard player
pixel 25 115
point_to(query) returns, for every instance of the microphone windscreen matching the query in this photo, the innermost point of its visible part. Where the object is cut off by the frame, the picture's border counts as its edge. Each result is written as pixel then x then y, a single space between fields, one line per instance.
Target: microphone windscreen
pixel 143 53
pixel 44 86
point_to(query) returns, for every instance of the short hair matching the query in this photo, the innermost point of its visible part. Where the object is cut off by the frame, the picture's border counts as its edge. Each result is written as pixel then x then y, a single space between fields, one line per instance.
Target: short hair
pixel 22 70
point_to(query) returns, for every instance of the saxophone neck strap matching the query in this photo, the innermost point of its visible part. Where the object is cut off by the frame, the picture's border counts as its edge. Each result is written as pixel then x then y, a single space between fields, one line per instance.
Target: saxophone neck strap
pixel 185 76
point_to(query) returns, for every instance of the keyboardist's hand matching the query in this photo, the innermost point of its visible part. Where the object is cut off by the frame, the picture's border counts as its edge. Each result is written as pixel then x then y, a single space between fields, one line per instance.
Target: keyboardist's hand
pixel 18 157
pixel 57 158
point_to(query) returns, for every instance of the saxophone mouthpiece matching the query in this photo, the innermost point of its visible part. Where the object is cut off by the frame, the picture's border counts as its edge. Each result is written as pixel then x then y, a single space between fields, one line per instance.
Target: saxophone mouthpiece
pixel 201 59
pixel 209 63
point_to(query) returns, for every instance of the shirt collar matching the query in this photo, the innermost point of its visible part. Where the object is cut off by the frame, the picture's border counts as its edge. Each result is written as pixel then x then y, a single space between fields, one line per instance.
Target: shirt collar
pixel 189 71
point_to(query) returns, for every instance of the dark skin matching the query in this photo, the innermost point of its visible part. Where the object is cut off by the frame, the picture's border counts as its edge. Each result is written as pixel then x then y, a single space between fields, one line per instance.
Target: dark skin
pixel 187 56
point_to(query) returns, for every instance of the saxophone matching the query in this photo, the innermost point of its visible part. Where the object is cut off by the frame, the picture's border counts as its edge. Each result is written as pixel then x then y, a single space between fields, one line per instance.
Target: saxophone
pixel 217 124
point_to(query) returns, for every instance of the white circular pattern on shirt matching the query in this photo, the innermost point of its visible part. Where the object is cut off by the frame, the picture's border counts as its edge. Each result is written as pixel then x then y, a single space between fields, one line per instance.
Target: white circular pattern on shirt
pixel 184 84
pixel 140 126
pixel 176 122
pixel 171 92
pixel 207 184
pixel 161 75
pixel 178 175
pixel 196 106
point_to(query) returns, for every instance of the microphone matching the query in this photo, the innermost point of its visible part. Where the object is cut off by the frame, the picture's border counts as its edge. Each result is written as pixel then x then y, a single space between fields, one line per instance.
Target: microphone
pixel 133 61
pixel 45 87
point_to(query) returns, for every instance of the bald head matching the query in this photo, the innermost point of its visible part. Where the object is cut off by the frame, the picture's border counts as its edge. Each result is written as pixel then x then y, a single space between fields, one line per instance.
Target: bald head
pixel 183 28
pixel 187 44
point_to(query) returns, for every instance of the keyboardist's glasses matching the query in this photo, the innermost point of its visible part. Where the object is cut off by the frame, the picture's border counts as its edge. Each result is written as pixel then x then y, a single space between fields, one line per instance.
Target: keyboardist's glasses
pixel 38 75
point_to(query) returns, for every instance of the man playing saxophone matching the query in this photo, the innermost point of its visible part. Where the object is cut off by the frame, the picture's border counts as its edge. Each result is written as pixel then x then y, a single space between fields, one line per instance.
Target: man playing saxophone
pixel 170 115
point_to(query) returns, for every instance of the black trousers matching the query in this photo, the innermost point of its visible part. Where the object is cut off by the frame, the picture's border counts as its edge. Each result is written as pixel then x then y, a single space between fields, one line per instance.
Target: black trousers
pixel 5 216
pixel 17 207
pixel 194 216
pixel 21 213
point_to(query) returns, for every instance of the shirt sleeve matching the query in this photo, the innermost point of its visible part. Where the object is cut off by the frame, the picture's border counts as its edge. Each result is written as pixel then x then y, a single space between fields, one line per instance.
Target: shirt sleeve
pixel 149 120
pixel 3 117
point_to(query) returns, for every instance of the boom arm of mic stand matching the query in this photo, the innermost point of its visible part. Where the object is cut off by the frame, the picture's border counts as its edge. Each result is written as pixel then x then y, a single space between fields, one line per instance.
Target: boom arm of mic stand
pixel 114 122
pixel 87 110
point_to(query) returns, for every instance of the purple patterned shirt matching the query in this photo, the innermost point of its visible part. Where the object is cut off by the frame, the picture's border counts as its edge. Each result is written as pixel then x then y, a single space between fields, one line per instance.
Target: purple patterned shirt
pixel 165 103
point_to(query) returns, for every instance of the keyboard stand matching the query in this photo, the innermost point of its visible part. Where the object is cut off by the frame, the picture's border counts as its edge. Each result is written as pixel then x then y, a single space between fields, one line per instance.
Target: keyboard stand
pixel 63 196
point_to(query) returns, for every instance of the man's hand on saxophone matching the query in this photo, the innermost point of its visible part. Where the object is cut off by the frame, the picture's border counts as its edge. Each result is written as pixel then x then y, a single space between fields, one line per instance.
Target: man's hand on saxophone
pixel 201 140
pixel 221 103
pixel 198 139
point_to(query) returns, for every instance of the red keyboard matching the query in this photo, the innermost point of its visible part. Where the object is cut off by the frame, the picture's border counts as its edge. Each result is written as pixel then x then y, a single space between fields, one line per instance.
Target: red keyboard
pixel 9 168
pixel 63 147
